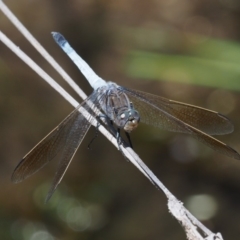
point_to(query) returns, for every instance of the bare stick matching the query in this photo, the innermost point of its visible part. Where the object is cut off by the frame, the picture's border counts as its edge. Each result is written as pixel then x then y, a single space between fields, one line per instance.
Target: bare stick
pixel 21 28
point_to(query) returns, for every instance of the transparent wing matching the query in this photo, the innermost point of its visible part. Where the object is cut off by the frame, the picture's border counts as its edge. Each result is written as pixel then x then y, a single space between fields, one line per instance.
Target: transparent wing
pixel 180 117
pixel 64 141
pixel 77 132
pixel 208 121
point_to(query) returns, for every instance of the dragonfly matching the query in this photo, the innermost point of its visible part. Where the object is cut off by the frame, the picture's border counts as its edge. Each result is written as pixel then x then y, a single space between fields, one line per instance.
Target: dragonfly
pixel 124 108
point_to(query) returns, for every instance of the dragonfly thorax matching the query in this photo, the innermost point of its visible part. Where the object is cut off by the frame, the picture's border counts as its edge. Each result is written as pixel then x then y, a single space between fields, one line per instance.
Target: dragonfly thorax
pixel 117 107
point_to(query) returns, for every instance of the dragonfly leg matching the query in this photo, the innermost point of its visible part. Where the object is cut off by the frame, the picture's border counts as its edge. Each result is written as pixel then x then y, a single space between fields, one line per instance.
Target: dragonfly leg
pixel 98 118
pixel 119 140
pixel 113 130
pixel 129 139
pixel 95 136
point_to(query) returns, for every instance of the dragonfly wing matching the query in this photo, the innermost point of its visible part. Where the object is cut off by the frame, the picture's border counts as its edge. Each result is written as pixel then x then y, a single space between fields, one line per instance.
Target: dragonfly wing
pixel 156 115
pixel 79 127
pixel 208 121
pixel 45 150
pixel 63 141
pixel 212 142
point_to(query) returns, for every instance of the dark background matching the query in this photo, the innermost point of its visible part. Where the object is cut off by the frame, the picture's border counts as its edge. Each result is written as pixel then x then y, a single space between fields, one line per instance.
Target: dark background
pixel 184 50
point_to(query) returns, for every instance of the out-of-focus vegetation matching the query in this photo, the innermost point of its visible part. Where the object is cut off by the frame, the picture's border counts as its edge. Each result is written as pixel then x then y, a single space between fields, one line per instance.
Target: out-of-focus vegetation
pixel 207 63
pixel 180 49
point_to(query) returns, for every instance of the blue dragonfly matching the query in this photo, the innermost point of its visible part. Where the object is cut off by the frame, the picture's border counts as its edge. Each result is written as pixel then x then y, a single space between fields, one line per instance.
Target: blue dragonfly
pixel 123 108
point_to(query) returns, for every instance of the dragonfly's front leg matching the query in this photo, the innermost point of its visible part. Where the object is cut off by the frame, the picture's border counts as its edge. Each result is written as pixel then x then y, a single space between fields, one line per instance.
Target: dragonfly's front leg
pixel 115 132
pixel 129 139
pixel 98 118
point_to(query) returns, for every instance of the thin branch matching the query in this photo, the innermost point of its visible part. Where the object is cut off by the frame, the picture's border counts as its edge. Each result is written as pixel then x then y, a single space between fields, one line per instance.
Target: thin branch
pixel 188 221
pixel 21 28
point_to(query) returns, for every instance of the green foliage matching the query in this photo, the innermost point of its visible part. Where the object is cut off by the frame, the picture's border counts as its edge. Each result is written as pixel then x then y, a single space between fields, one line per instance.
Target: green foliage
pixel 211 63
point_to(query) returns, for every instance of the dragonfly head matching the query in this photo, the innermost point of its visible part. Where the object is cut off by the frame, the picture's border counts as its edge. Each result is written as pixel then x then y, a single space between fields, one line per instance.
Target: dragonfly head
pixel 129 119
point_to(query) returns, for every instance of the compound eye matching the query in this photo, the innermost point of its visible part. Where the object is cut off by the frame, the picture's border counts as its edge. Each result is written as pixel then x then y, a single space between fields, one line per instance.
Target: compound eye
pixel 122 116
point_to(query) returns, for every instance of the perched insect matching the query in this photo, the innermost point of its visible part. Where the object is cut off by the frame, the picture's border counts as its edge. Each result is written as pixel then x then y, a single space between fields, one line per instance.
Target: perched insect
pixel 125 108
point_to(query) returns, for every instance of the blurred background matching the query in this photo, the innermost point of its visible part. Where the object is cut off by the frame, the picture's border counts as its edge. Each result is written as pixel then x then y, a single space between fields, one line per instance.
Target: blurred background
pixel 184 50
